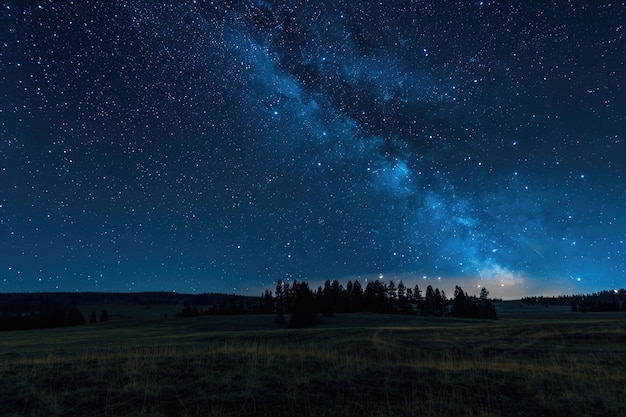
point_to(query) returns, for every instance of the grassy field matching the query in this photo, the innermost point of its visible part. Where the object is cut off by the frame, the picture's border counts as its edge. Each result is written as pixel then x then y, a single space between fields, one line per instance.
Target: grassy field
pixel 529 364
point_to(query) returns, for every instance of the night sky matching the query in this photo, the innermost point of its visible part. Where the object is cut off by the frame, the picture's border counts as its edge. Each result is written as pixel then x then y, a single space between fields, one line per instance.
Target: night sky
pixel 202 146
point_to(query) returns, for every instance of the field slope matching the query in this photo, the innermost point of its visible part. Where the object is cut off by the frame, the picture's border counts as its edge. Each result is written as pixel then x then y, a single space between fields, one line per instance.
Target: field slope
pixel 351 365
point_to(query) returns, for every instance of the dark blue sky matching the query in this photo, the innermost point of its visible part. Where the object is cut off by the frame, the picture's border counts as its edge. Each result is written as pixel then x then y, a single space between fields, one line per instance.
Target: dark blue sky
pixel 220 146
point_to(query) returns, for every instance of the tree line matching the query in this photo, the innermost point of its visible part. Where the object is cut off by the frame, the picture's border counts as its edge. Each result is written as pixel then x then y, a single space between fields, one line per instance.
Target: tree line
pixel 304 305
pixel 601 301
pixel 42 319
pixel 222 305
pixel 47 316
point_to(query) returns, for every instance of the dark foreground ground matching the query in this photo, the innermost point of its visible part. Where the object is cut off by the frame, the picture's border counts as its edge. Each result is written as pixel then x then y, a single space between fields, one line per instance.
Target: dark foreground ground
pixel 533 361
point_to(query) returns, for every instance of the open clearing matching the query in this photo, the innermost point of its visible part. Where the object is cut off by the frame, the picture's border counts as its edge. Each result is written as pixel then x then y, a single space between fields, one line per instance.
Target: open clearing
pixel 533 363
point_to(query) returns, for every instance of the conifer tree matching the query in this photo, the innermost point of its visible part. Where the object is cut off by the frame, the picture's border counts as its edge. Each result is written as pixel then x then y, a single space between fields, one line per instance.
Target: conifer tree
pixel 328 307
pixel 460 307
pixel 104 316
pixel 350 296
pixel 357 294
pixel 304 312
pixel 75 317
pixel 438 302
pixel 279 302
pixel 429 300
pixel 484 294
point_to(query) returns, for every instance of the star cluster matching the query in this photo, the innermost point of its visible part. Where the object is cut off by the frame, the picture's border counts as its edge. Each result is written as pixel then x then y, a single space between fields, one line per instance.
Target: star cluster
pixel 220 146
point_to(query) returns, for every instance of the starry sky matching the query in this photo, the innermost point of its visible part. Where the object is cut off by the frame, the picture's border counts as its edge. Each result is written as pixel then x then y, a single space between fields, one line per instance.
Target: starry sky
pixel 201 146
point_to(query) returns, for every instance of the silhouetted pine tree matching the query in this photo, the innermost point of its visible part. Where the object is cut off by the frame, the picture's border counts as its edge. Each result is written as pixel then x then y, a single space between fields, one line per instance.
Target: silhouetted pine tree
pixel 429 301
pixel 304 311
pixel 328 307
pixel 401 290
pixel 279 302
pixel 75 317
pixel 266 303
pixel 392 297
pixel 357 296
pixel 460 307
pixel 288 295
pixel 338 297
pixel 417 293
pixel 375 297
pixel 440 298
pixel 403 300
pixel 350 296
pixel 484 294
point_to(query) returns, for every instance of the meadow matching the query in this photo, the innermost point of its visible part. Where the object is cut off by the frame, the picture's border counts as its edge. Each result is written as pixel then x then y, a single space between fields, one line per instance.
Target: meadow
pixel 530 363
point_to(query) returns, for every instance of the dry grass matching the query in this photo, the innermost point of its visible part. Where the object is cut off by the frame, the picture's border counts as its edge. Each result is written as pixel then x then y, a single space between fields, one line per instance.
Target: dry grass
pixel 418 367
